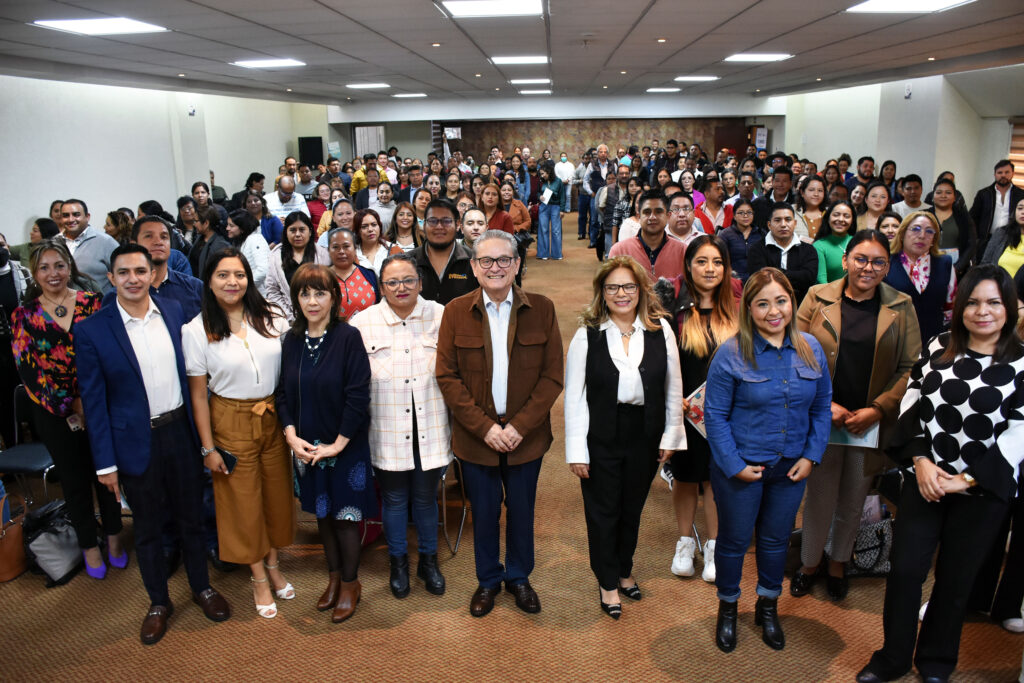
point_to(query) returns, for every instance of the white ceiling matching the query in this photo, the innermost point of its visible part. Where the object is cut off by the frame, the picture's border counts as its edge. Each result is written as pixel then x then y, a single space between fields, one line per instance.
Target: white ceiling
pixel 590 43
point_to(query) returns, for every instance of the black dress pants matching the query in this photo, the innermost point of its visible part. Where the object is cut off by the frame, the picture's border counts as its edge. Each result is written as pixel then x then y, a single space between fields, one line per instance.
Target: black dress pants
pixel 963 527
pixel 1003 602
pixel 621 472
pixel 172 484
pixel 72 459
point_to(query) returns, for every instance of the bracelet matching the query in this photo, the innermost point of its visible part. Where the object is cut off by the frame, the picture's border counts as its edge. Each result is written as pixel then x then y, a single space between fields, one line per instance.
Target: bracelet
pixel 918 457
pixel 206 451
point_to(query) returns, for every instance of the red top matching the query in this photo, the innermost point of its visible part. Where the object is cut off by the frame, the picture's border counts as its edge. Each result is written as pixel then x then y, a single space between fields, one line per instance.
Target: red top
pixel 356 294
pixel 501 221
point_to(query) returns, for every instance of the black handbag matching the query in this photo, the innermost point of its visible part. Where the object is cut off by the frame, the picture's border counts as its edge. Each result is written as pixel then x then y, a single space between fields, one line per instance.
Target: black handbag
pixel 51 543
pixel 871 550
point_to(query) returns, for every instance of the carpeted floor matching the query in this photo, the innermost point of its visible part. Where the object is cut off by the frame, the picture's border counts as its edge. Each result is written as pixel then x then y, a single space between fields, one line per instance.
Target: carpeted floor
pixel 88 630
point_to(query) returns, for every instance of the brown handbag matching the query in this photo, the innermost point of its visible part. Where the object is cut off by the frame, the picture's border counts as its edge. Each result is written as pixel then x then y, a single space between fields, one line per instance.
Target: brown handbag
pixel 12 546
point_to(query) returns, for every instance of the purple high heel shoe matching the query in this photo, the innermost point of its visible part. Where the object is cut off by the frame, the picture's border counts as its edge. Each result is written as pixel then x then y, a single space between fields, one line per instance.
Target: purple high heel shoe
pixel 118 561
pixel 99 572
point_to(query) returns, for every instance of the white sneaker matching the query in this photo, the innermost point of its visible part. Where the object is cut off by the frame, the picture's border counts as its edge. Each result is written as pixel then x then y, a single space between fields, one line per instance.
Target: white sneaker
pixel 682 562
pixel 709 562
pixel 1014 625
pixel 667 476
pixel 924 608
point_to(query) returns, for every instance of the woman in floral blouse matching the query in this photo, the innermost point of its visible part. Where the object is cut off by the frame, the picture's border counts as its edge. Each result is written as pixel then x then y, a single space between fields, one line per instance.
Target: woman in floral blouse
pixel 43 350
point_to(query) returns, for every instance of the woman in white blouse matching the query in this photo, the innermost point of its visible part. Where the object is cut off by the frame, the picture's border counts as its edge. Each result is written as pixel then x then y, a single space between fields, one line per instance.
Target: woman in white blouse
pixel 233 360
pixel 623 416
pixel 400 335
pixel 371 247
pixel 244 233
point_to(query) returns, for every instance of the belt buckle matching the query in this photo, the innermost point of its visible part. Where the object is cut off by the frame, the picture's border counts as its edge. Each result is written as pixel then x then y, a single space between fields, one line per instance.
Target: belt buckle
pixel 153 421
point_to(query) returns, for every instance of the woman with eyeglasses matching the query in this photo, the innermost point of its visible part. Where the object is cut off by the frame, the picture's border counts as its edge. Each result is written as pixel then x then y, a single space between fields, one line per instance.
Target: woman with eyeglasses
pixel 741 236
pixel 623 416
pixel 870 336
pixel 406 407
pixel 959 434
pixel 358 284
pixel 924 273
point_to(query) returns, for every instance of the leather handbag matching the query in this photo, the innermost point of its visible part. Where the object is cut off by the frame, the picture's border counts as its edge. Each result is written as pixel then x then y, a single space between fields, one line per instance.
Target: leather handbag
pixel 12 547
pixel 51 543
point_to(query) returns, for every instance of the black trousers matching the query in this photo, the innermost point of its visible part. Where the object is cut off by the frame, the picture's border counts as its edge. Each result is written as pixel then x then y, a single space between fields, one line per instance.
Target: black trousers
pixel 963 528
pixel 621 472
pixel 72 459
pixel 1004 602
pixel 172 482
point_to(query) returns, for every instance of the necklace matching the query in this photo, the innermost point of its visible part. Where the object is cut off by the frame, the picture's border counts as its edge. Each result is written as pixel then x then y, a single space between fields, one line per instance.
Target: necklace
pixel 314 348
pixel 61 310
pixel 627 335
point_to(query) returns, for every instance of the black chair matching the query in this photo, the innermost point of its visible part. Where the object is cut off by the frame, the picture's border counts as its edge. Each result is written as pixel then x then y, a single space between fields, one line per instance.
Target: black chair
pixel 26 459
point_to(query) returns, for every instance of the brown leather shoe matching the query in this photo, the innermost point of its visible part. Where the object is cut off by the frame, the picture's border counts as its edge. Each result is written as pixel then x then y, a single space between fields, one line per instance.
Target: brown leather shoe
pixel 215 607
pixel 330 597
pixel 154 626
pixel 351 592
pixel 526 597
pixel 483 600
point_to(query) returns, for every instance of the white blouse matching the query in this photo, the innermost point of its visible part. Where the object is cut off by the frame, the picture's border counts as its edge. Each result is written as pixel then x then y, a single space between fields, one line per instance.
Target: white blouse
pixel 237 368
pixel 378 257
pixel 630 389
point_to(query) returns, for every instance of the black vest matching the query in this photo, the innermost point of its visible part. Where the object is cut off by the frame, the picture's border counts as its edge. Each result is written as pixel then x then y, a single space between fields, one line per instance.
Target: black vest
pixel 927 304
pixel 603 384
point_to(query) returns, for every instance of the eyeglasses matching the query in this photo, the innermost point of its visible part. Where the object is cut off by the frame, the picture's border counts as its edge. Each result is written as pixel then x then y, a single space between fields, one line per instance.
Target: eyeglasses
pixel 408 283
pixel 744 213
pixel 629 288
pixel 444 222
pixel 917 230
pixel 679 210
pixel 877 264
pixel 503 262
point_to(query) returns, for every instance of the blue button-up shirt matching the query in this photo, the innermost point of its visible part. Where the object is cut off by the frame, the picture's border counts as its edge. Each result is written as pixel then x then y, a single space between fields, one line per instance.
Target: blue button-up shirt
pixel 778 408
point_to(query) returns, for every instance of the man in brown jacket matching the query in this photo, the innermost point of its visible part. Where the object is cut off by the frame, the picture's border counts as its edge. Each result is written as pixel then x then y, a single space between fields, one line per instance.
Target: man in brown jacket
pixel 499 366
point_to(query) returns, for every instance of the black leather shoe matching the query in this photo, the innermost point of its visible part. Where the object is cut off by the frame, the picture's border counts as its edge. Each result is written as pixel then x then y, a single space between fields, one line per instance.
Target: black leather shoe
pixel 766 615
pixel 725 630
pixel 800 585
pixel 399 575
pixel 837 587
pixel 426 569
pixel 934 679
pixel 483 600
pixel 632 592
pixel 219 564
pixel 614 609
pixel 526 597
pixel 172 560
pixel 866 675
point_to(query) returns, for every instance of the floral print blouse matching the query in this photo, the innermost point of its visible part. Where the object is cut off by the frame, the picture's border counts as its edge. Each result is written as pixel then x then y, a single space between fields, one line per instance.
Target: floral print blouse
pixel 45 353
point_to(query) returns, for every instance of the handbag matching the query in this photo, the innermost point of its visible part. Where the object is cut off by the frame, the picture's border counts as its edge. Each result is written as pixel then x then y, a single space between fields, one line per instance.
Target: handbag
pixel 12 547
pixel 52 544
pixel 871 550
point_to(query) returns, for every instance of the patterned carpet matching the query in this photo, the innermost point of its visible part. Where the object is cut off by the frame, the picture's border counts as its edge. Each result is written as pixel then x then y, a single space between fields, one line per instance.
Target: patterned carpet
pixel 88 630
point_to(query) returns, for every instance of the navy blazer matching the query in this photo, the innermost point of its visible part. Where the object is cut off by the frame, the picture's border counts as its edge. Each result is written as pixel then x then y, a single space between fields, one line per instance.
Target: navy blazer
pixel 113 395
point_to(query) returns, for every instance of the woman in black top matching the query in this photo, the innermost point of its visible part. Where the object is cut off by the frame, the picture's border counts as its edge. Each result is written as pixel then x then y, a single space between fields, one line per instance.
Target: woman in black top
pixel 959 432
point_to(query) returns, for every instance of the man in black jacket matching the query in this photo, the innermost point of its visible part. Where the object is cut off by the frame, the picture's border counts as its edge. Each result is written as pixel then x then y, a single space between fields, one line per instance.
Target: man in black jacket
pixel 368 194
pixel 782 249
pixel 782 181
pixel 253 183
pixel 994 205
pixel 669 160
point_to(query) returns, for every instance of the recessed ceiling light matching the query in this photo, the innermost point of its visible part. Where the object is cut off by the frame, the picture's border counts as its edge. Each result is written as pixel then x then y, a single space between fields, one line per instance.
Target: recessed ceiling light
pixel 535 92
pixel 661 40
pixel 181 75
pixel 623 73
pixel 526 59
pixel 817 79
pixel 907 6
pixel 268 63
pixel 663 90
pixel 604 87
pixel 410 94
pixel 931 59
pixel 529 81
pixel 477 75
pixel 348 98
pixel 461 9
pixel 366 86
pixel 758 57
pixel 497 88
pixel 287 89
pixel 435 45
pixel 110 26
pixel 695 79
pixel 758 90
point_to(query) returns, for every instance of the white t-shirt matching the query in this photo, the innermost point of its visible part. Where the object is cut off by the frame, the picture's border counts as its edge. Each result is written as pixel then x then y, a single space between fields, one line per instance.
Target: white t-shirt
pixel 238 368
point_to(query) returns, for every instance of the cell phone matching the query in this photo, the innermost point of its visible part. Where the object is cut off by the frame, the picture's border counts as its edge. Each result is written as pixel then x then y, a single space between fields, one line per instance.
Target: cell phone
pixel 75 422
pixel 229 459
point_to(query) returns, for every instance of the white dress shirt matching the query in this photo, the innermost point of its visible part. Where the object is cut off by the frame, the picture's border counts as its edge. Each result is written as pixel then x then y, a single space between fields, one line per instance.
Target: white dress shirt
pixel 241 369
pixel 630 388
pixel 282 209
pixel 793 241
pixel 1001 214
pixel 498 317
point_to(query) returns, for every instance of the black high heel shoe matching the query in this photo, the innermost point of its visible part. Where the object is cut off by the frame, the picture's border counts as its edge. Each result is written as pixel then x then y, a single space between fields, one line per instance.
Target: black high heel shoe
pixel 632 592
pixel 766 615
pixel 725 630
pixel 614 610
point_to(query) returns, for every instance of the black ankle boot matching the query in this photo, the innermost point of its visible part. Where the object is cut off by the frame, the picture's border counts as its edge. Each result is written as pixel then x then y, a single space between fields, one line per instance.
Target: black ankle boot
pixel 399 575
pixel 766 615
pixel 725 631
pixel 427 570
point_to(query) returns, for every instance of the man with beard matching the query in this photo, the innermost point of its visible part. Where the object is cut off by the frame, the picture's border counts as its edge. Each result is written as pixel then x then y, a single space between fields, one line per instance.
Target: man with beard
pixel 994 205
pixel 446 266
pixel 865 173
pixel 652 248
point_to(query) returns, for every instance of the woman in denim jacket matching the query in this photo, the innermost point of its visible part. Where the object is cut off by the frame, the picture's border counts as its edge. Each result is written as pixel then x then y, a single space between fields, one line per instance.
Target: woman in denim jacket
pixel 767 412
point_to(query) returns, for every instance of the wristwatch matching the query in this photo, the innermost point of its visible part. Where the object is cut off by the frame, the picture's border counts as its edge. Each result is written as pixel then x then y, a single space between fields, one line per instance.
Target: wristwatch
pixel 206 451
pixel 971 481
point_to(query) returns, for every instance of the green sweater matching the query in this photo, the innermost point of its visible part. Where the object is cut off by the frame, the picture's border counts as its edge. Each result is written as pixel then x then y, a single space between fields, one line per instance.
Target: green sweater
pixel 830 257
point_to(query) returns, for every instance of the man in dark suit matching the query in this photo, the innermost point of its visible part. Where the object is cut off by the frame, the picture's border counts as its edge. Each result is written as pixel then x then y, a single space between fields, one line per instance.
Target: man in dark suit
pixel 993 205
pixel 415 183
pixel 131 374
pixel 368 194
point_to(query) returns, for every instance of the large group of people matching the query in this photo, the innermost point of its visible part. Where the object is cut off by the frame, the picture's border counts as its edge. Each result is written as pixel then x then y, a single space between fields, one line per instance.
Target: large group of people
pixel 768 332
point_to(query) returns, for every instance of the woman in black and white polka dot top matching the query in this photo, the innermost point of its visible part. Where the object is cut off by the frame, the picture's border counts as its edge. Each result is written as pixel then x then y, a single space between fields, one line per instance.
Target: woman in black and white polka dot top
pixel 962 423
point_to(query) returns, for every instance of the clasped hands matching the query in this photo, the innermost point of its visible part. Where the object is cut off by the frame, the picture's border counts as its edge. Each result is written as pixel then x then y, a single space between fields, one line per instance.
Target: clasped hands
pixel 934 482
pixel 503 439
pixel 311 454
pixel 855 421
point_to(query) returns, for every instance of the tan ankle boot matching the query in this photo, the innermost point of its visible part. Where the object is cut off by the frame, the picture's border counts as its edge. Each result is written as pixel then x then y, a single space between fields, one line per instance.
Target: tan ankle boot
pixel 351 591
pixel 330 597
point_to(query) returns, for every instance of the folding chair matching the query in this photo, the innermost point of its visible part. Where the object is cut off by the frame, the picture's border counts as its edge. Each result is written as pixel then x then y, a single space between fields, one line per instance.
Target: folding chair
pixel 26 459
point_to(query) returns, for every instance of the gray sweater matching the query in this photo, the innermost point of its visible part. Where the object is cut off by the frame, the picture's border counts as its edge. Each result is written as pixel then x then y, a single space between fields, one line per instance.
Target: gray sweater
pixel 92 255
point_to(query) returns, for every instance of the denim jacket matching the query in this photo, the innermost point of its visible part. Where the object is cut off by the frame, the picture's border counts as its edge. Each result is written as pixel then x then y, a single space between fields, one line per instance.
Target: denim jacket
pixel 759 415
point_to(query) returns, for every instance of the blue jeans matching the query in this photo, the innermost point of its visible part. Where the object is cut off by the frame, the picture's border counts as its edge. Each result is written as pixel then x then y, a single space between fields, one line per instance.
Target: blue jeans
pixel 767 507
pixel 583 207
pixel 549 234
pixel 566 197
pixel 396 490
pixel 486 491
pixel 595 221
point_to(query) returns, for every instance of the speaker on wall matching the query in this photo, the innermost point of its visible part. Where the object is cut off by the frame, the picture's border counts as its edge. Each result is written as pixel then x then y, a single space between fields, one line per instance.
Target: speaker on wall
pixel 311 150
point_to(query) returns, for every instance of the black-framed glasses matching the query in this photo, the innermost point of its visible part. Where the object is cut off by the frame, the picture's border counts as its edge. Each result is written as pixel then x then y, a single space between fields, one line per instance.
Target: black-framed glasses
pixel 628 288
pixel 408 283
pixel 486 262
pixel 444 222
pixel 864 261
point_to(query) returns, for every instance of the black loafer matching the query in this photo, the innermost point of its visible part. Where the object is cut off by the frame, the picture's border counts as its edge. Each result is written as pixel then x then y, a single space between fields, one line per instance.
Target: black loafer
pixel 866 675
pixel 837 587
pixel 801 584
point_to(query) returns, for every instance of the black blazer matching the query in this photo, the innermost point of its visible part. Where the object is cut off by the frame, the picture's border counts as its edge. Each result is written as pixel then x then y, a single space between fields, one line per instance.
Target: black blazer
pixel 363 199
pixel 801 264
pixel 407 194
pixel 984 208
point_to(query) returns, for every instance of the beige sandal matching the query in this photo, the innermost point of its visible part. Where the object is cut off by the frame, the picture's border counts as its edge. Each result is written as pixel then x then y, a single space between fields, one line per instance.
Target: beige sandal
pixel 265 611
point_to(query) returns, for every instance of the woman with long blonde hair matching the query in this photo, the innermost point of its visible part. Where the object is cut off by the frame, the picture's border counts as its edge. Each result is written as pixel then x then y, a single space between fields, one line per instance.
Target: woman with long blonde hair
pixel 623 415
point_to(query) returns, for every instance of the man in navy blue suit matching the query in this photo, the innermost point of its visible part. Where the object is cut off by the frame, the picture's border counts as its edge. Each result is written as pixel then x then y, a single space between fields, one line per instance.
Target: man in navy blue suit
pixel 131 375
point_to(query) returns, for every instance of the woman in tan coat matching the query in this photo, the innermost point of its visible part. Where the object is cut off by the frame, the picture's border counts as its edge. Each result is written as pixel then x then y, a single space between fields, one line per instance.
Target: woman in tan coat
pixel 861 323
